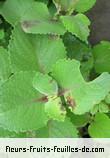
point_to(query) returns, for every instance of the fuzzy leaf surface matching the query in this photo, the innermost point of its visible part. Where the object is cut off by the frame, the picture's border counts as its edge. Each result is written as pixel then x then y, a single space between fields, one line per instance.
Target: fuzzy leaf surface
pixel 18 110
pixel 34 52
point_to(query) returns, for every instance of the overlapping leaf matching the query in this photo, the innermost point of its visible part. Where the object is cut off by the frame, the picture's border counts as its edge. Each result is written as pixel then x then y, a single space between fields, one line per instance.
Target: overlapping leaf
pixel 18 109
pixel 82 95
pixel 34 52
pixel 38 20
pixel 45 84
pixel 57 129
pixel 49 88
pixel 77 25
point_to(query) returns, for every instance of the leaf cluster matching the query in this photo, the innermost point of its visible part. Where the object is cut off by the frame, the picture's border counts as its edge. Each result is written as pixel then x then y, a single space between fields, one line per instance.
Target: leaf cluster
pixel 53 83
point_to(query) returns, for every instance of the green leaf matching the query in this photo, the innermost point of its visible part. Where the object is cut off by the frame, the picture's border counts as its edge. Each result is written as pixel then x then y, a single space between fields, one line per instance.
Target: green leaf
pixel 5 70
pixel 38 20
pixel 34 52
pixel 18 109
pixel 57 129
pixel 55 109
pixel 101 54
pixel 7 134
pixel 64 129
pixel 13 10
pixel 44 1
pixel 77 25
pixel 81 95
pixel 65 5
pixel 45 84
pixel 84 5
pixel 100 127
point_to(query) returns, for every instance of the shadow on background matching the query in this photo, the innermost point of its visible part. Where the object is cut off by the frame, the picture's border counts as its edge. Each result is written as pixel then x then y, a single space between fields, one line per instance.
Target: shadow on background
pixel 100 17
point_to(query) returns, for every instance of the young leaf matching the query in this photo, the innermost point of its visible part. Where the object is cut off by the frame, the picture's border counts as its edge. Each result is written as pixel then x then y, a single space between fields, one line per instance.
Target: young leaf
pixel 38 20
pixel 55 109
pixel 77 25
pixel 102 107
pixel 101 54
pixel 84 5
pixel 5 69
pixel 45 84
pixel 18 110
pixel 13 10
pixel 82 95
pixel 100 127
pixel 34 52
pixel 66 6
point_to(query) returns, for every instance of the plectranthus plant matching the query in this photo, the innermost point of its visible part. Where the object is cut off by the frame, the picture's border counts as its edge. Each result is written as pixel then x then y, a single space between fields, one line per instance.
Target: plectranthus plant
pixel 53 82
